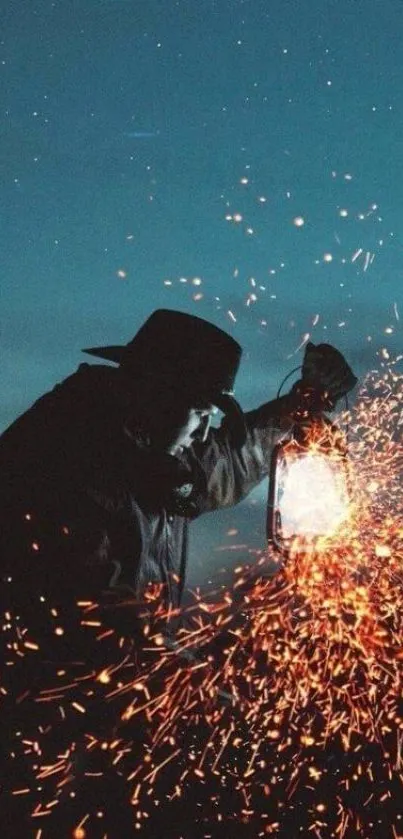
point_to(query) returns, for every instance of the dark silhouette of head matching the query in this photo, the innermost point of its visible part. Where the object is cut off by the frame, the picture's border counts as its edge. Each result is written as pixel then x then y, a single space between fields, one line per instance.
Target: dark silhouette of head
pixel 181 368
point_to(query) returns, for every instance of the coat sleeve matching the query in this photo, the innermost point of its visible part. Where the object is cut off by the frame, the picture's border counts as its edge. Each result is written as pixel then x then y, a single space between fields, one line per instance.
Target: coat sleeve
pixel 229 472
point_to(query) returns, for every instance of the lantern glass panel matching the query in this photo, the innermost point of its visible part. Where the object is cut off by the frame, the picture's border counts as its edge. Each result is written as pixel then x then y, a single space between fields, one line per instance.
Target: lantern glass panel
pixel 310 496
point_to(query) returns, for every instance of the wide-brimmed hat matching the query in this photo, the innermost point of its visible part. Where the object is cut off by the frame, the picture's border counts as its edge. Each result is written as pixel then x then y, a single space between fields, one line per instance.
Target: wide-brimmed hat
pixel 197 359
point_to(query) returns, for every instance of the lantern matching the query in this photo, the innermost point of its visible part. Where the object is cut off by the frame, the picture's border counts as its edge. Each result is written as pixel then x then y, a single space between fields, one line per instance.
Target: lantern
pixel 308 499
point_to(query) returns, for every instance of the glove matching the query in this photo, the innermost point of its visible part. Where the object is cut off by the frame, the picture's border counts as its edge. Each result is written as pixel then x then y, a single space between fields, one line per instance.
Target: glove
pixel 326 377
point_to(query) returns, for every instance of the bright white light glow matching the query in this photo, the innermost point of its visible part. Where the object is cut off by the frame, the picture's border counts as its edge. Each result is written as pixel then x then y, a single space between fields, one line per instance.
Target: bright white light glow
pixel 312 496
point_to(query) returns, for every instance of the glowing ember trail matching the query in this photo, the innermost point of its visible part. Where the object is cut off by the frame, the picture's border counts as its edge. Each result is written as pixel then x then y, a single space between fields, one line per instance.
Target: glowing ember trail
pixel 278 708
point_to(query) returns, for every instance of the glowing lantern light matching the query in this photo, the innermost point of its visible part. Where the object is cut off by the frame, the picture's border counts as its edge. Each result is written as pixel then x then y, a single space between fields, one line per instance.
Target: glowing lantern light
pixel 308 494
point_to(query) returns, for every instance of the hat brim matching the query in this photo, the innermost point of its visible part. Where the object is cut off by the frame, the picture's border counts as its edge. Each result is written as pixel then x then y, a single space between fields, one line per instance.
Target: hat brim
pixel 114 353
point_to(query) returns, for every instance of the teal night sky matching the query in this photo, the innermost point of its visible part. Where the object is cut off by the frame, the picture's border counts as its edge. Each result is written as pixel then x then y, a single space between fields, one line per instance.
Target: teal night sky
pixel 237 159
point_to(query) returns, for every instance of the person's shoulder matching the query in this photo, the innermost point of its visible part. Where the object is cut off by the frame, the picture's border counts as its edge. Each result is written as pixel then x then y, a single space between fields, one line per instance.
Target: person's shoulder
pixel 90 381
pixel 95 374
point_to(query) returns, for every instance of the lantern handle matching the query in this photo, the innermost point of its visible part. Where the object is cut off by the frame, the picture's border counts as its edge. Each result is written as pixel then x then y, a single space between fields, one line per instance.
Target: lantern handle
pixel 287 377
pixel 347 424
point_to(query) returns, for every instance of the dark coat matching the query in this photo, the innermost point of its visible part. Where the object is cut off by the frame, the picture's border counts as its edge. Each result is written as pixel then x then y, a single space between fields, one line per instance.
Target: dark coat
pixel 88 508
pixel 89 514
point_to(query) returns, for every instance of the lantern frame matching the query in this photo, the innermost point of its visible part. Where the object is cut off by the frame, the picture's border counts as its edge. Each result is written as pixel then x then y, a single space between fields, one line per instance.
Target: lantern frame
pixel 298 447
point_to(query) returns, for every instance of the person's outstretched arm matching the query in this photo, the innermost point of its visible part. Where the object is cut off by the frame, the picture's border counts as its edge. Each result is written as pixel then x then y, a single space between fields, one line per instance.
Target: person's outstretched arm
pixel 231 470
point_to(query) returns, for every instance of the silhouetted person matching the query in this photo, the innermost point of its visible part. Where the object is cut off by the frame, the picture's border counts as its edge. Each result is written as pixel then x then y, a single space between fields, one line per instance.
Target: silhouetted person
pixel 98 483
pixel 102 475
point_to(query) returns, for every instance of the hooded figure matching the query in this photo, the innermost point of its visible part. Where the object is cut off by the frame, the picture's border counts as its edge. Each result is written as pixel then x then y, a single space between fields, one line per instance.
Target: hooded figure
pixel 99 480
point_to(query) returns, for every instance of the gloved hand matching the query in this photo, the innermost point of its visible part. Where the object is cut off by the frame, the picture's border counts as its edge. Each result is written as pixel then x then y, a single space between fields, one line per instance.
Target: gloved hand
pixel 326 377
